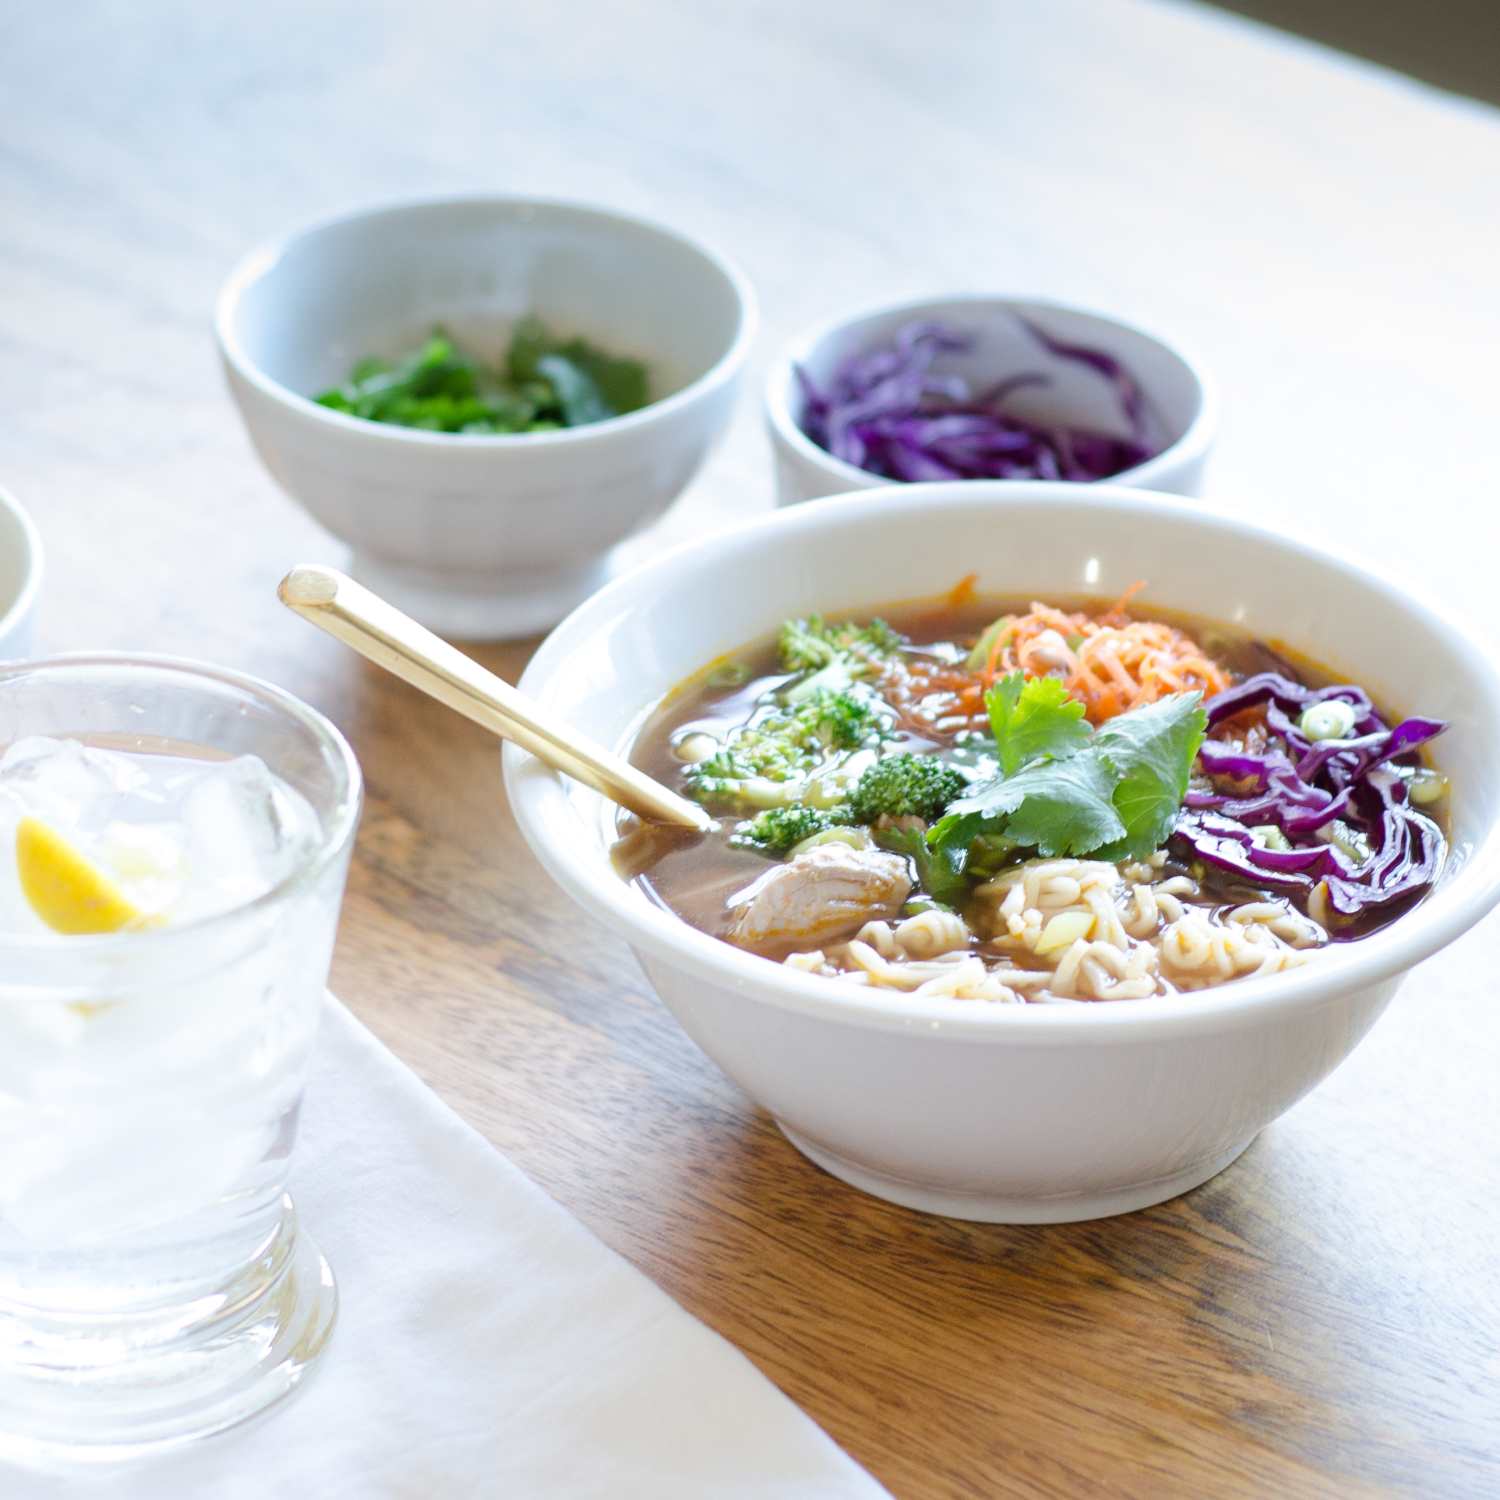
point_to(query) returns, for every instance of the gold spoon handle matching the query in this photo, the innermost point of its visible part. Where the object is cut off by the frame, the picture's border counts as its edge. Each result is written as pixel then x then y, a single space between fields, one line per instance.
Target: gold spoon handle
pixel 349 611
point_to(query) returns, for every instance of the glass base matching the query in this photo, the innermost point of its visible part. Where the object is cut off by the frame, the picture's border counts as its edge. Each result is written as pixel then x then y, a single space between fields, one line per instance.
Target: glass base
pixel 221 1373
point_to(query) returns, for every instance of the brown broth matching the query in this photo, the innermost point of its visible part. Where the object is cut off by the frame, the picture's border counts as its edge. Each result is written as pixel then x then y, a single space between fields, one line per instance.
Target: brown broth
pixel 693 875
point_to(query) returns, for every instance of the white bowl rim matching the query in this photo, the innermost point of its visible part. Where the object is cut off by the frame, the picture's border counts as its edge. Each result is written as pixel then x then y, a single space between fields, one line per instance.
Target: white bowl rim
pixel 32 587
pixel 548 820
pixel 1194 442
pixel 256 262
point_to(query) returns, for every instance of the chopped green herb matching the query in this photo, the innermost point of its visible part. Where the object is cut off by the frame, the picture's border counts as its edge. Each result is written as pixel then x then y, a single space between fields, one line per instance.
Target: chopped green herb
pixel 577 395
pixel 544 385
pixel 1152 750
pixel 619 383
pixel 989 643
pixel 940 870
pixel 1034 721
pixel 1110 794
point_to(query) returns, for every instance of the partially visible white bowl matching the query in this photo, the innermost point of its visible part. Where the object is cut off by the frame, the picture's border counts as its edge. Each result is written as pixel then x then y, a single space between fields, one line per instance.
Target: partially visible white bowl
pixel 20 578
pixel 1181 407
pixel 483 536
pixel 1003 1112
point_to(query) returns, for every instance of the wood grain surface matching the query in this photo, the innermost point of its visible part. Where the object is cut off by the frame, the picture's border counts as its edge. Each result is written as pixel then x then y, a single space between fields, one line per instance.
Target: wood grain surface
pixel 1319 1320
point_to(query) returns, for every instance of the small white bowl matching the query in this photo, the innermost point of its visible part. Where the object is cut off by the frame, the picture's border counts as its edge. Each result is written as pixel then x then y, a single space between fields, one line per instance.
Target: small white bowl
pixel 483 536
pixel 1010 1113
pixel 20 578
pixel 1180 405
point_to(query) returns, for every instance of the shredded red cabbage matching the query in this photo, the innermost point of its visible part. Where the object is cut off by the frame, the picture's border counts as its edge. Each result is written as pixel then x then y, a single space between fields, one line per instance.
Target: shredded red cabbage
pixel 885 414
pixel 1301 790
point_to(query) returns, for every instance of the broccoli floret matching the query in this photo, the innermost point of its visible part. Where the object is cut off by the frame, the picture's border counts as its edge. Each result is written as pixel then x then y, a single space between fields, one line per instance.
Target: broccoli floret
pixel 840 720
pixel 779 829
pixel 809 645
pixel 805 646
pixel 788 744
pixel 905 786
pixel 878 639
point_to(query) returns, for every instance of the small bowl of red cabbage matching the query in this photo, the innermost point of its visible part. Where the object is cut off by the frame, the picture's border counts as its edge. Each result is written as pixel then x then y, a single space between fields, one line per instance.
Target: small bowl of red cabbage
pixel 985 388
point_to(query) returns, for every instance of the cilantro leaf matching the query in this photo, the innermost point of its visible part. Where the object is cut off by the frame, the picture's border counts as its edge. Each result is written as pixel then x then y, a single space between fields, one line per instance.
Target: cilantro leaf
pixel 577 395
pixel 953 834
pixel 1060 806
pixel 940 870
pixel 1033 720
pixel 1111 794
pixel 1151 750
pixel 622 383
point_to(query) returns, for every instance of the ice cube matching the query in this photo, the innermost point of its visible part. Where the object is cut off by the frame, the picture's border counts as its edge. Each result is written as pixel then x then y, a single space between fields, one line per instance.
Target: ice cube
pixel 69 786
pixel 147 858
pixel 246 830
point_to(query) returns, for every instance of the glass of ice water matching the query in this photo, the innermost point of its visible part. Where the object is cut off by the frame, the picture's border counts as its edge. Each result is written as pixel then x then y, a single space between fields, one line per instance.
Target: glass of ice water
pixel 174 841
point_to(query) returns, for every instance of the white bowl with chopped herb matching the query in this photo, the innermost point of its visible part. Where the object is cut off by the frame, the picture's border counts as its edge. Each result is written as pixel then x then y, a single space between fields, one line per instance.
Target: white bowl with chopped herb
pixel 484 396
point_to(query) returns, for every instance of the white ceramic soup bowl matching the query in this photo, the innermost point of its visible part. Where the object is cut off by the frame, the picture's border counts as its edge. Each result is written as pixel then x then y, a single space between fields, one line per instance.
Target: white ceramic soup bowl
pixel 1010 1113
pixel 1181 409
pixel 20 578
pixel 498 535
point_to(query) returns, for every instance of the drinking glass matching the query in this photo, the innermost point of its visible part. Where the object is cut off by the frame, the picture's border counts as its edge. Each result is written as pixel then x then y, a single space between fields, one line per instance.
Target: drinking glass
pixel 154 1284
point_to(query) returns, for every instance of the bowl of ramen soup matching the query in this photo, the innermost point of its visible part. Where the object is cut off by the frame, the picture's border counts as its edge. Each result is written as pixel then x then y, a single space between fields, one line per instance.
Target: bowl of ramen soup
pixel 1067 834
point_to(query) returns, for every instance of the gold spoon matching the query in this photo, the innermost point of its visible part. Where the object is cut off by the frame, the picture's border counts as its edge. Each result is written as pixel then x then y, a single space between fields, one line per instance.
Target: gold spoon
pixel 395 641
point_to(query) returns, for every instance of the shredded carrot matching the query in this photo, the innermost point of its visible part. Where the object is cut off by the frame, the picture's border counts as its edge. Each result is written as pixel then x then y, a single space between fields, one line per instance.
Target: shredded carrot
pixel 1108 662
pixel 962 592
pixel 989 667
pixel 1118 615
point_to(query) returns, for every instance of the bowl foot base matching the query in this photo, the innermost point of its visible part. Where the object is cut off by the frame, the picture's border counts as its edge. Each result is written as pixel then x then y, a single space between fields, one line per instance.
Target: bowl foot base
pixel 985 1208
pixel 479 608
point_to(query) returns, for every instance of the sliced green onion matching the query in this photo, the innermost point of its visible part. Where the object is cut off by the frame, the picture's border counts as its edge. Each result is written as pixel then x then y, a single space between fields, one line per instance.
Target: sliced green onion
pixel 1333 719
pixel 1427 786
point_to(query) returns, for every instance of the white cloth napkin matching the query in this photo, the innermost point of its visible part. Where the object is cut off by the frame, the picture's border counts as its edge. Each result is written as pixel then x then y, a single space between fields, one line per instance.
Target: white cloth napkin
pixel 487 1344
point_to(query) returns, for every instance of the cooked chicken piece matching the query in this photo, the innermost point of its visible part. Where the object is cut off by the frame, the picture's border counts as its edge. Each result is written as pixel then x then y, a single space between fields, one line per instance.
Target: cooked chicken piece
pixel 825 891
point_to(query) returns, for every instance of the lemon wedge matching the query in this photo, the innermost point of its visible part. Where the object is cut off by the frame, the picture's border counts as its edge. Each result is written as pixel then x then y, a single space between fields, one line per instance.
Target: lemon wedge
pixel 66 889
